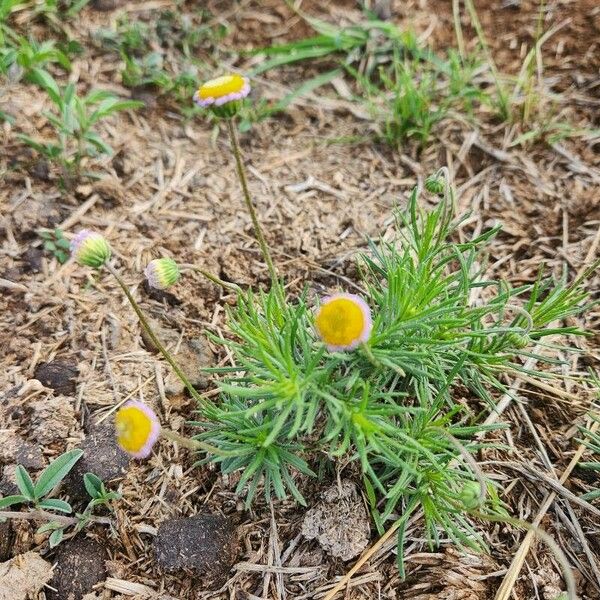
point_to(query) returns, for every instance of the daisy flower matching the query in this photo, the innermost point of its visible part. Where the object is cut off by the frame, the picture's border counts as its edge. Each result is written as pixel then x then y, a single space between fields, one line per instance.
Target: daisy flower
pixel 343 322
pixel 223 94
pixel 137 428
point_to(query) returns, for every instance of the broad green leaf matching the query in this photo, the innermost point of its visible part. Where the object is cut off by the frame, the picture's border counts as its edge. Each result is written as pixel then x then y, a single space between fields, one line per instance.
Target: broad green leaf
pixel 55 504
pixel 93 485
pixel 50 526
pixel 10 500
pixel 24 483
pixel 53 474
pixel 56 538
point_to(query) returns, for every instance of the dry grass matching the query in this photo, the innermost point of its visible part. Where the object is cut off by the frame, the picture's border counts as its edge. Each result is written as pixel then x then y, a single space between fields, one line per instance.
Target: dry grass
pixel 171 188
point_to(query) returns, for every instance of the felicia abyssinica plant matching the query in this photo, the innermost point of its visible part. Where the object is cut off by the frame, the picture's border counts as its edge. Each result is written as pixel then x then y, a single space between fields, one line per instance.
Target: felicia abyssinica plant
pixel 371 379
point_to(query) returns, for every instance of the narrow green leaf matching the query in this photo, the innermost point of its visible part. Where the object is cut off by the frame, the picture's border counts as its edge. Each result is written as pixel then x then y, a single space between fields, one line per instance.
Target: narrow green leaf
pixel 56 538
pixel 47 83
pixel 24 483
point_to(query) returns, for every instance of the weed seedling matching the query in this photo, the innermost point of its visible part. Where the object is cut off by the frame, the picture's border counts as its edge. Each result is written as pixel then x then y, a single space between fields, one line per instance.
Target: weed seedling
pixel 57 513
pixel 74 121
pixel 56 244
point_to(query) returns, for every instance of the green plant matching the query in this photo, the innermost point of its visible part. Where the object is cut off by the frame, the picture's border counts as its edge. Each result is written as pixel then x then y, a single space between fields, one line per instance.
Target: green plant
pixel 28 55
pixel 44 507
pixel 74 121
pixel 56 244
pixel 390 406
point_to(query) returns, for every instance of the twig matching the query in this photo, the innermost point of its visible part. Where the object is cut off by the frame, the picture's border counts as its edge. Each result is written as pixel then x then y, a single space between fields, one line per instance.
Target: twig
pixel 42 515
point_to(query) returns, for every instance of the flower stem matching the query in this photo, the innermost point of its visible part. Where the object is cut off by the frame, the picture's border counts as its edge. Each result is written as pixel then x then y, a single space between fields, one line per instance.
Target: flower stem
pixel 216 280
pixel 243 182
pixel 193 444
pixel 148 329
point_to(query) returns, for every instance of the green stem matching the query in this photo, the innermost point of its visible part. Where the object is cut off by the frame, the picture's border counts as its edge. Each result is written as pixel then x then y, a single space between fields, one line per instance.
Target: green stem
pixel 217 280
pixel 243 182
pixel 148 329
pixel 194 444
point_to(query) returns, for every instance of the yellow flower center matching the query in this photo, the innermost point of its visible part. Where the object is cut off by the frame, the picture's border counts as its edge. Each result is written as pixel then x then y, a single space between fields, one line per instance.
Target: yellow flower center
pixel 340 322
pixel 221 86
pixel 133 427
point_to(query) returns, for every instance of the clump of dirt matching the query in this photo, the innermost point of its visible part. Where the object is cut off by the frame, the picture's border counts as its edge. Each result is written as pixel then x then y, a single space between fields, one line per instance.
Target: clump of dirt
pixel 59 375
pixel 203 544
pixel 80 565
pixel 14 449
pixel 340 522
pixel 102 456
pixel 7 537
pixel 23 576
pixel 51 418
pixel 193 355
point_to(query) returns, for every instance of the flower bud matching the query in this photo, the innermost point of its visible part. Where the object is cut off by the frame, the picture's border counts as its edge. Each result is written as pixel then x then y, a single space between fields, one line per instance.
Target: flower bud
pixel 434 184
pixel 470 494
pixel 518 340
pixel 90 249
pixel 162 273
pixel 223 95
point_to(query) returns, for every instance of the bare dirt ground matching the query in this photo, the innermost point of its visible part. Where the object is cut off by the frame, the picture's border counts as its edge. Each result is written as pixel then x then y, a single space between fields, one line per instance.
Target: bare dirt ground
pixel 171 188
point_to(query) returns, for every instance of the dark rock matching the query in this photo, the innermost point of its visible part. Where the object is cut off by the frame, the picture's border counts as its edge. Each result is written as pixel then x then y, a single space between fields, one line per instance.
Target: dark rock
pixel 383 9
pixel 32 257
pixel 147 94
pixel 80 565
pixel 8 486
pixel 202 544
pixel 102 456
pixel 14 449
pixel 30 456
pixel 59 375
pixel 41 170
pixel 106 5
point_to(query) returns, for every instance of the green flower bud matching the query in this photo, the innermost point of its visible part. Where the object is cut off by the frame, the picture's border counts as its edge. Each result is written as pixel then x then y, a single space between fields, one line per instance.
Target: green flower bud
pixel 162 273
pixel 469 495
pixel 434 184
pixel 518 340
pixel 90 249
